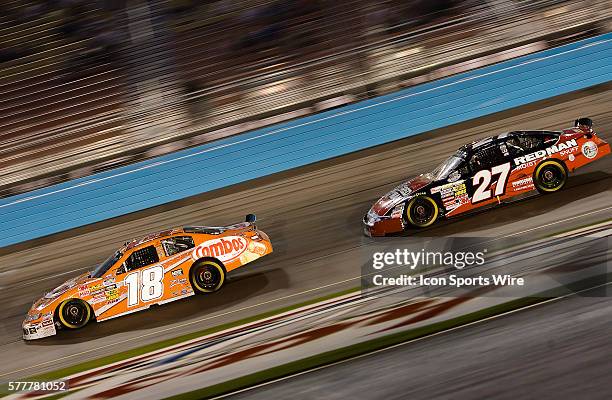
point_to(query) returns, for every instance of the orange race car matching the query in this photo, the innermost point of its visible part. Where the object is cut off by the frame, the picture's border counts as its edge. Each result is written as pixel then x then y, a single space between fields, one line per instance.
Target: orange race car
pixel 159 268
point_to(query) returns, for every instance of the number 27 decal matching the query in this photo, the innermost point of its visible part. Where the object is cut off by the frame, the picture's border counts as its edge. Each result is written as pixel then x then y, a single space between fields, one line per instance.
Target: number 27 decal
pixel 482 182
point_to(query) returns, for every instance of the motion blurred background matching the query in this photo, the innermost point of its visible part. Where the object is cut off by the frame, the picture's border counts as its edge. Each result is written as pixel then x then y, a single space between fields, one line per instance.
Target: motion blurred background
pixel 87 86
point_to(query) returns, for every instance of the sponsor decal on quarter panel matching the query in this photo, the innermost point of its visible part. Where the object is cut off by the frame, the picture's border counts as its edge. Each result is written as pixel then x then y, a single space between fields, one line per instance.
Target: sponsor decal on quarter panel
pixel 546 152
pixel 223 249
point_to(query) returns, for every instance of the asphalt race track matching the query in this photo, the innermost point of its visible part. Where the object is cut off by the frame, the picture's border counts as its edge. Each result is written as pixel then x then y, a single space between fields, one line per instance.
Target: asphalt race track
pixel 555 350
pixel 313 217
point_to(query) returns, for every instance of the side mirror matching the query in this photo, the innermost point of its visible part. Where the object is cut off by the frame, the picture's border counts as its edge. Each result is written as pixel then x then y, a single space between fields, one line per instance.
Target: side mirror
pixel 251 218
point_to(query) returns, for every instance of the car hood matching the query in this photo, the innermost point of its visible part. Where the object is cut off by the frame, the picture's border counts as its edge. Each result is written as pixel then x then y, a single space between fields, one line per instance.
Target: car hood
pixel 61 289
pixel 400 193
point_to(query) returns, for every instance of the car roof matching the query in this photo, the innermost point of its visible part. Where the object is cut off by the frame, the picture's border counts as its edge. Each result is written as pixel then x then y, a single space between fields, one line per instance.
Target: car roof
pixel 475 145
pixel 532 132
pixel 210 230
pixel 469 148
pixel 151 237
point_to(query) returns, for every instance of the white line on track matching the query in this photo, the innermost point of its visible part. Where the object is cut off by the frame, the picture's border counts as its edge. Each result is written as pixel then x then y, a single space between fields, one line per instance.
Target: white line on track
pixel 407 342
pixel 551 224
pixel 157 332
pixel 171 328
pixel 273 132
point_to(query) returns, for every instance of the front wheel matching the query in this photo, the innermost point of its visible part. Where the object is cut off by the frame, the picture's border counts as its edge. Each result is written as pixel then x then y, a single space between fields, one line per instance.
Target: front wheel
pixel 550 176
pixel 207 276
pixel 421 211
pixel 73 313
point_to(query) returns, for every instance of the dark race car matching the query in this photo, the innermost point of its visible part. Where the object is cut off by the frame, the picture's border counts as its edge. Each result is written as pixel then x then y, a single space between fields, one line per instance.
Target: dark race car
pixel 487 172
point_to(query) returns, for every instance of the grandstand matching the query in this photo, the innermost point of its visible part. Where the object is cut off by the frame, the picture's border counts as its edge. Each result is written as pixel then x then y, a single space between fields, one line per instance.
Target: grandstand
pixel 61 92
pixel 86 86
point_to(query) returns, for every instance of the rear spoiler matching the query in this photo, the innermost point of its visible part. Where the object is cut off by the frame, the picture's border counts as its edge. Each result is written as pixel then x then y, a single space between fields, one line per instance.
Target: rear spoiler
pixel 585 125
pixel 251 218
pixel 582 121
pixel 249 222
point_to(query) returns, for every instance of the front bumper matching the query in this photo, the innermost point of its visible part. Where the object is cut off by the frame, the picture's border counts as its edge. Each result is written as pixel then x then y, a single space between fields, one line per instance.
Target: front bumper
pixel 374 225
pixel 38 329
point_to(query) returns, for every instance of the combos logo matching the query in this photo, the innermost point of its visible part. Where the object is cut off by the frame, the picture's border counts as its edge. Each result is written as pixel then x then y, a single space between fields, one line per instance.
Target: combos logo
pixel 589 149
pixel 547 152
pixel 223 249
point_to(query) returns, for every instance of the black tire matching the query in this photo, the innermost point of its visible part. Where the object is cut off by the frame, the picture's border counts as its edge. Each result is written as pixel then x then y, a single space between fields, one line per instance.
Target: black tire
pixel 550 176
pixel 207 276
pixel 421 211
pixel 73 313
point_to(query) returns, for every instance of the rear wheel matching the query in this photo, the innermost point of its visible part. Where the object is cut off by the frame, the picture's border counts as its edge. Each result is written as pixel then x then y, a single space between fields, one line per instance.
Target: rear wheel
pixel 207 276
pixel 421 211
pixel 73 313
pixel 550 176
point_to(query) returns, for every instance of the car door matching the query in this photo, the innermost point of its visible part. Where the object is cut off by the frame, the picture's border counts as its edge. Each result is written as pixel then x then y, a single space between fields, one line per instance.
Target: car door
pixel 514 146
pixel 131 284
pixel 490 169
pixel 177 249
pixel 453 195
pixel 143 277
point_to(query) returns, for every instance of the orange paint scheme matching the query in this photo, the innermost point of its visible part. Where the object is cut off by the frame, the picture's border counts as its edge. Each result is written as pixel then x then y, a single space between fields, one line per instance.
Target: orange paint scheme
pixel 159 273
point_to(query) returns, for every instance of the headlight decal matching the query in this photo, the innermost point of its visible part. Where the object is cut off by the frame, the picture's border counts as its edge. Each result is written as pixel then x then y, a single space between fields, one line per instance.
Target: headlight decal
pixel 32 317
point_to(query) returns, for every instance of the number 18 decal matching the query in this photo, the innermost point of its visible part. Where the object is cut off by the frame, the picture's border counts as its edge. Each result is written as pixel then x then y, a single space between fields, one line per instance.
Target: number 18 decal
pixel 482 182
pixel 150 288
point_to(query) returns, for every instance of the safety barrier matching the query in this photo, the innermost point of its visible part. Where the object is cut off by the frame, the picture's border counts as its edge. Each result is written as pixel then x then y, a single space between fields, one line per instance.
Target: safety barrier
pixel 307 140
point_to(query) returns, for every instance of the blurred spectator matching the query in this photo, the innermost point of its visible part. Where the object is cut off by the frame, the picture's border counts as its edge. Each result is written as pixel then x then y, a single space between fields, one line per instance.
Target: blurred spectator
pixel 33 11
pixel 182 7
pixel 12 53
pixel 113 5
pixel 73 23
pixel 378 15
pixel 429 10
pixel 264 37
pixel 107 40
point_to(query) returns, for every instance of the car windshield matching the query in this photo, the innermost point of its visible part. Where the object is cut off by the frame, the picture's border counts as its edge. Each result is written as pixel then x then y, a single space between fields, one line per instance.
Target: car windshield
pixel 448 166
pixel 109 262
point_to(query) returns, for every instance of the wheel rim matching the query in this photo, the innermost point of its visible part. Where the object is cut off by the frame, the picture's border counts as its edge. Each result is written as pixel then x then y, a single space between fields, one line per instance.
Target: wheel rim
pixel 208 277
pixel 422 212
pixel 551 177
pixel 74 314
